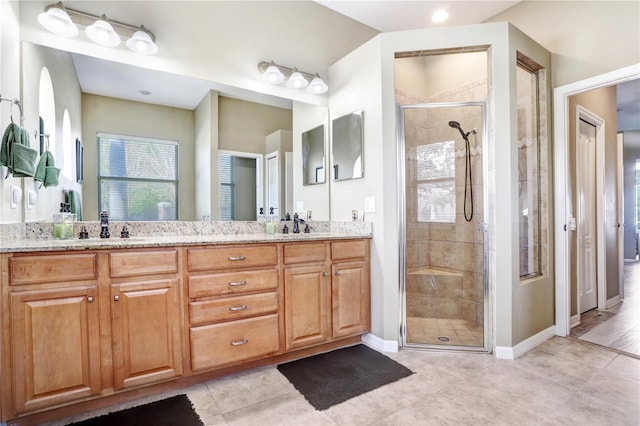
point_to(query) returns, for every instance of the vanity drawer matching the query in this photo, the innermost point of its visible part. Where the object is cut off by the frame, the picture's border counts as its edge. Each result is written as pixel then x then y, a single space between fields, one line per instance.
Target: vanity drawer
pixel 349 249
pixel 134 263
pixel 52 268
pixel 232 283
pixel 233 308
pixel 307 252
pixel 220 344
pixel 231 257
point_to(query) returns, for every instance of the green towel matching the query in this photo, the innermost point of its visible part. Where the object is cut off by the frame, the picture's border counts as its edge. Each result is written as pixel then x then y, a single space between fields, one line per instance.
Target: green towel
pixel 47 172
pixel 76 203
pixel 16 153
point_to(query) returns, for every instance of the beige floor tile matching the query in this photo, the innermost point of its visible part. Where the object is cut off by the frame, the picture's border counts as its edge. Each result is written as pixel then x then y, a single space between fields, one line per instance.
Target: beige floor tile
pixel 584 410
pixel 288 409
pixel 617 391
pixel 205 405
pixel 623 366
pixel 248 388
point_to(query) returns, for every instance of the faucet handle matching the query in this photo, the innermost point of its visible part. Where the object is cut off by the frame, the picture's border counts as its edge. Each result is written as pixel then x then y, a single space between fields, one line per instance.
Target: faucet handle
pixel 307 229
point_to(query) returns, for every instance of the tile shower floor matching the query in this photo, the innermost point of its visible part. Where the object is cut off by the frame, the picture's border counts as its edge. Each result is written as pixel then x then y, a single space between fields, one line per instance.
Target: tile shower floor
pixel 434 331
pixel 561 382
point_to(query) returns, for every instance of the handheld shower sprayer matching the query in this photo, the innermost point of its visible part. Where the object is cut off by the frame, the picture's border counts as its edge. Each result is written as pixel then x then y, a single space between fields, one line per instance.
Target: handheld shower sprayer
pixel 468 182
pixel 456 125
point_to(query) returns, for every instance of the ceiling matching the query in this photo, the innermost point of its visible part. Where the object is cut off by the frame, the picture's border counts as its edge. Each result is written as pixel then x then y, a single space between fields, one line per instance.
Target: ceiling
pixel 387 16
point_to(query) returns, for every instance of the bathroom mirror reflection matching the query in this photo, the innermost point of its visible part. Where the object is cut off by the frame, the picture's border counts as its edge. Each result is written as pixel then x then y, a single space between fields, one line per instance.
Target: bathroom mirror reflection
pixel 347 147
pixel 313 166
pixel 105 96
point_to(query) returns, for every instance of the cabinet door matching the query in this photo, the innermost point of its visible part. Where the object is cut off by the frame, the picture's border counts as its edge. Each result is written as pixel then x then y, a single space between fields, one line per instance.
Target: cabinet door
pixel 307 301
pixel 56 353
pixel 351 298
pixel 146 332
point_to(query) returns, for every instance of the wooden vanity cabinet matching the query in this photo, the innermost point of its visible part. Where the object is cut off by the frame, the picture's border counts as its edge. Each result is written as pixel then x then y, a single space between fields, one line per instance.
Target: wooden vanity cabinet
pixel 145 317
pixel 234 304
pixel 54 330
pixel 326 291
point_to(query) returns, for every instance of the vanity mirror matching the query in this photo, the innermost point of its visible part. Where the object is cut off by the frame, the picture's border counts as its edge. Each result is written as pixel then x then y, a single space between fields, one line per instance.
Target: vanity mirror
pixel 347 147
pixel 313 164
pixel 106 88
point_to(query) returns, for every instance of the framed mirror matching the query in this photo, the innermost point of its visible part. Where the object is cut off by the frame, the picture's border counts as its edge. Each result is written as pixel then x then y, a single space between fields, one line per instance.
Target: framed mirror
pixel 313 164
pixel 347 147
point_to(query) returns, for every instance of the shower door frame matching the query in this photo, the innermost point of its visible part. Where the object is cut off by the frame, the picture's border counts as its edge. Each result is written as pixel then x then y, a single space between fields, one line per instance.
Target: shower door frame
pixel 402 223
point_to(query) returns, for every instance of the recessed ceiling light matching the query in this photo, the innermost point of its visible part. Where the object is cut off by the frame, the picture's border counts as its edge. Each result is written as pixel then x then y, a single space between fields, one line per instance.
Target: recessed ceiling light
pixel 440 15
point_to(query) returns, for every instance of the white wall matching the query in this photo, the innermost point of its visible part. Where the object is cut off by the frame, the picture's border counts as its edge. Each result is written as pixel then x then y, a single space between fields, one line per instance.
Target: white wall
pixel 9 88
pixel 206 154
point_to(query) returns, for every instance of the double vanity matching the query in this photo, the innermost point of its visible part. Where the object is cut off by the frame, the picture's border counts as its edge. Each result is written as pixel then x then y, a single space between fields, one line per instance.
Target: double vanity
pixel 88 323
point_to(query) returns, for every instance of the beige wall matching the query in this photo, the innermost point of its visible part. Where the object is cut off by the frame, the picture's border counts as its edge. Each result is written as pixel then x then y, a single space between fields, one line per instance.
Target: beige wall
pixel 245 125
pixel 586 38
pixel 601 102
pixel 122 117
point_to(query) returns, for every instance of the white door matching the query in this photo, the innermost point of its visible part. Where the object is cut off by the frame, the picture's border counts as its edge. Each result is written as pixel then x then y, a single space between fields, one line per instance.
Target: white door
pixel 620 212
pixel 273 184
pixel 586 200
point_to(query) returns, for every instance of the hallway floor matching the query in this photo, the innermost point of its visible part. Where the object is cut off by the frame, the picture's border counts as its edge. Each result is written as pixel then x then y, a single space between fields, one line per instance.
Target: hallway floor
pixel 618 327
pixel 561 382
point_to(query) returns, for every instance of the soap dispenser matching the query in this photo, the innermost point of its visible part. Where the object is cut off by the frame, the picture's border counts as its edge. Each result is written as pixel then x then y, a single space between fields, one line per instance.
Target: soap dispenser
pixel 272 222
pixel 63 223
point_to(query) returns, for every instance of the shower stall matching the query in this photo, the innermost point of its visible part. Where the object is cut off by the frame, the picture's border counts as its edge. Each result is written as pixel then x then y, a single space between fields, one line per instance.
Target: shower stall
pixel 441 134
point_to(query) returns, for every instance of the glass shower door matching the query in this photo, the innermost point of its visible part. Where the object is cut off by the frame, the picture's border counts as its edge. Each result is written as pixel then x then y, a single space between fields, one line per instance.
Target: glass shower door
pixel 444 270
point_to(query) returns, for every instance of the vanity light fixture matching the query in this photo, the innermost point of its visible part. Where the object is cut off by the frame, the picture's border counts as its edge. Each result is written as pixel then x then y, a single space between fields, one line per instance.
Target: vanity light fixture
pixel 62 21
pixel 101 32
pixel 142 41
pixel 276 74
pixel 57 20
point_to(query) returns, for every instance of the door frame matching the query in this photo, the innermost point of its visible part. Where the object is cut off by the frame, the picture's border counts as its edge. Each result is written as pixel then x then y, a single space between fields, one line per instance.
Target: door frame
pixel 601 266
pixel 259 170
pixel 620 216
pixel 561 96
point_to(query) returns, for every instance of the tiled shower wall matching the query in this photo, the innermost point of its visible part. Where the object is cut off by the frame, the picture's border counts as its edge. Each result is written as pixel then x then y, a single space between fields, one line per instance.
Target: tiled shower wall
pixel 455 250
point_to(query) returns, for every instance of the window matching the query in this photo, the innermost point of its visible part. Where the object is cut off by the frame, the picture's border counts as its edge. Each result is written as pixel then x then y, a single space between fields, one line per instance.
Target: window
pixel 225 171
pixel 529 168
pixel 137 178
pixel 435 177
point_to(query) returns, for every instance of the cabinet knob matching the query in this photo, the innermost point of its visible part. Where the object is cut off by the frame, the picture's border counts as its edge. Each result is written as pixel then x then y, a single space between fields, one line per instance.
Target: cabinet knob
pixel 324 274
pixel 116 297
pixel 239 342
pixel 337 272
pixel 90 299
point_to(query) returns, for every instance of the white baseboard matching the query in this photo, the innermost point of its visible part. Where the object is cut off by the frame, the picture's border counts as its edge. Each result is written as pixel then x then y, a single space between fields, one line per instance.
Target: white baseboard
pixel 505 352
pixel 377 343
pixel 574 321
pixel 613 301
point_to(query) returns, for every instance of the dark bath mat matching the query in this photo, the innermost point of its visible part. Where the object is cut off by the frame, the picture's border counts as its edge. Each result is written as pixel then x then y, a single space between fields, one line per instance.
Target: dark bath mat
pixel 174 411
pixel 334 377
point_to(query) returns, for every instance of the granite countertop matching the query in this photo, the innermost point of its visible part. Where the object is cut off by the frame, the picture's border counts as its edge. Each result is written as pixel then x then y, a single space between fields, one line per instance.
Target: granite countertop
pixel 165 241
pixel 38 236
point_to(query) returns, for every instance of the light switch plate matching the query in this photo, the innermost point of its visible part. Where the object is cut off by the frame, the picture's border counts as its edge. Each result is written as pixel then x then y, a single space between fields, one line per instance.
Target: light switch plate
pixel 370 204
pixel 16 196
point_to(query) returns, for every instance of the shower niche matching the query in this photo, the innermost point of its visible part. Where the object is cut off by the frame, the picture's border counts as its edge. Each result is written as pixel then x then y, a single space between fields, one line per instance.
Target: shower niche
pixel 441 101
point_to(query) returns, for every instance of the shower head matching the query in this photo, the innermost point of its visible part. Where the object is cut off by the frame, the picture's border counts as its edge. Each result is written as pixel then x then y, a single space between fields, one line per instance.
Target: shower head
pixel 456 125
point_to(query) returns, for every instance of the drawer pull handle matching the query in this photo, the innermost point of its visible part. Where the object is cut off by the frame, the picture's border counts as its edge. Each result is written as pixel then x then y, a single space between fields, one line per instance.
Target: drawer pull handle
pixel 236 258
pixel 238 308
pixel 239 342
pixel 236 283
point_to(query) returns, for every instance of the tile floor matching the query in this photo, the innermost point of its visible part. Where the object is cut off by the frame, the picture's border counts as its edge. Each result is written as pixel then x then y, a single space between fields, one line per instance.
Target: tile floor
pixel 431 331
pixel 619 326
pixel 561 382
